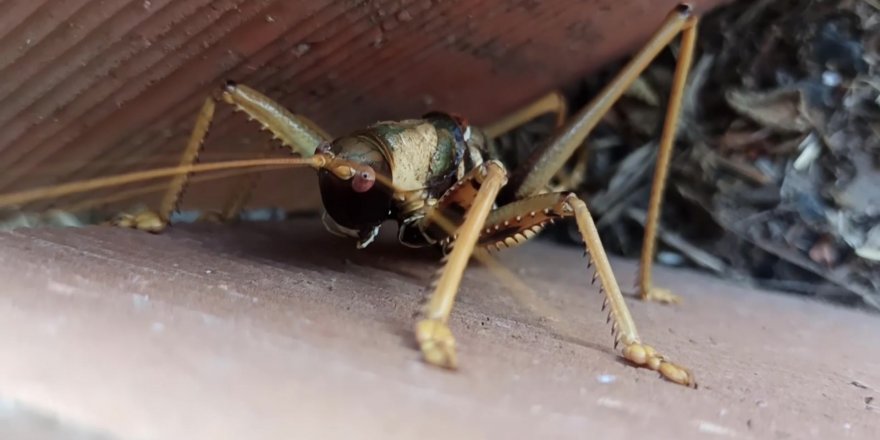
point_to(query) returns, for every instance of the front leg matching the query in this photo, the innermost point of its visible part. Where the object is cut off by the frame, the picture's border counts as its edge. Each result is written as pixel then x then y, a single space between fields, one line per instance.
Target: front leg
pixel 432 331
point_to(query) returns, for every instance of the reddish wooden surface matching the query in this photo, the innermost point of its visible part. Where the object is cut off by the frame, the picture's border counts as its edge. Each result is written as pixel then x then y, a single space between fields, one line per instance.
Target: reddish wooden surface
pixel 93 87
pixel 282 331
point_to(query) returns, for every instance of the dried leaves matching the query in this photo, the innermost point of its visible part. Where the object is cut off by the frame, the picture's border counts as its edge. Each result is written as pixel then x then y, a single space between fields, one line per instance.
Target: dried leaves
pixel 781 109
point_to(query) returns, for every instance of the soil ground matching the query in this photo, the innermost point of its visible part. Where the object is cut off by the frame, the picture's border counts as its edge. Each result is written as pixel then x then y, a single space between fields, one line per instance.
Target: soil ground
pixel 282 331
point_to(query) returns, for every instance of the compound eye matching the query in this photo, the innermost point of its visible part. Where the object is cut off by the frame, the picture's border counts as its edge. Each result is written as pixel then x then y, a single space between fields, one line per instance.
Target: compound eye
pixel 363 180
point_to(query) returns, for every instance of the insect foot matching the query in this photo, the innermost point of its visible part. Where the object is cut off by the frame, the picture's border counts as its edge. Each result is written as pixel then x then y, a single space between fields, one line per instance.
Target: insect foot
pixel 645 355
pixel 660 295
pixel 148 221
pixel 214 217
pixel 436 342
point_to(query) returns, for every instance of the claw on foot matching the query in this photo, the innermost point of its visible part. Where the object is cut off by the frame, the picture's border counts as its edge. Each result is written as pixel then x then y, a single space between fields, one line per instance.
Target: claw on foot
pixel 660 295
pixel 436 342
pixel 645 355
pixel 144 221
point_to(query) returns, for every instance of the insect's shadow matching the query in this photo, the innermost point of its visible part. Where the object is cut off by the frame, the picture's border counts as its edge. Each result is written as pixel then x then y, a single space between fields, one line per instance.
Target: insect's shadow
pixel 304 244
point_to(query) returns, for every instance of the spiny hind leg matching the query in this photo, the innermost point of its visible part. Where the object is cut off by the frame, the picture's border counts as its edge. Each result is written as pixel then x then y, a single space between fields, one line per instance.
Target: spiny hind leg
pixel 515 223
pixel 296 132
pixel 432 331
pixel 647 291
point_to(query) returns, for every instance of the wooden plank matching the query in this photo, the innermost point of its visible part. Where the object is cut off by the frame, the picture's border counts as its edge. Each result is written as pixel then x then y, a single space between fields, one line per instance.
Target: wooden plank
pixel 248 332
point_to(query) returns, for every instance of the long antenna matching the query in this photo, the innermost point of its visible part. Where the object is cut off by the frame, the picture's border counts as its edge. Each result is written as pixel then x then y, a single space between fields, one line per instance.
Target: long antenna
pixel 54 191
pixel 153 188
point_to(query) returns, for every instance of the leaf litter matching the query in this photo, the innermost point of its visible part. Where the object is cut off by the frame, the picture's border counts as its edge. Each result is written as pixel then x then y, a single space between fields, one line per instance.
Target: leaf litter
pixel 775 178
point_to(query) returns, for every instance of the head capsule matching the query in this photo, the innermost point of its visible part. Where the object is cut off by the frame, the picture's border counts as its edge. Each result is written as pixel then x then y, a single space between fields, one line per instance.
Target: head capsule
pixel 354 197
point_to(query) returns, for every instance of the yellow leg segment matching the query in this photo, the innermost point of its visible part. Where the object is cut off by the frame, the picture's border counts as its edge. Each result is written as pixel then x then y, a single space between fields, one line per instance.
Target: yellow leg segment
pixel 432 332
pixel 647 291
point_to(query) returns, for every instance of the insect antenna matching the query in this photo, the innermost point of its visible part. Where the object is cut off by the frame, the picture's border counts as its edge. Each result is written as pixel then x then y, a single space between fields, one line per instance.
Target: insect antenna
pixel 73 166
pixel 27 196
pixel 143 190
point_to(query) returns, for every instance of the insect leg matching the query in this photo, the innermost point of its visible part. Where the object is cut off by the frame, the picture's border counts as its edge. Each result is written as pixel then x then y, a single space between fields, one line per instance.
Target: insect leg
pixel 667 143
pixel 298 133
pixel 432 331
pixel 517 222
pixel 156 221
pixel 533 176
pixel 552 102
